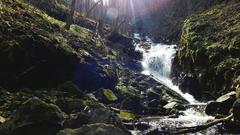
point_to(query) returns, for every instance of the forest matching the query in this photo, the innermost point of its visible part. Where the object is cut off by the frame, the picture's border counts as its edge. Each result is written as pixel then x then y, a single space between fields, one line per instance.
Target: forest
pixel 119 67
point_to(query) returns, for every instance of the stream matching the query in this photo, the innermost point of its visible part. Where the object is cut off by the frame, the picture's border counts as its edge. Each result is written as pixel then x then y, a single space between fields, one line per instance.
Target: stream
pixel 157 62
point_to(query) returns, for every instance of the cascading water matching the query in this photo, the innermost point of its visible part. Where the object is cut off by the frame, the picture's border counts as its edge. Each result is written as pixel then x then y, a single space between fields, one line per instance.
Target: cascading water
pixel 157 62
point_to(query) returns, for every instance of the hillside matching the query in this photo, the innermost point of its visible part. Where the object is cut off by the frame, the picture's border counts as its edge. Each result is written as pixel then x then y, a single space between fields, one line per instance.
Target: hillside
pixel 210 50
pixel 52 79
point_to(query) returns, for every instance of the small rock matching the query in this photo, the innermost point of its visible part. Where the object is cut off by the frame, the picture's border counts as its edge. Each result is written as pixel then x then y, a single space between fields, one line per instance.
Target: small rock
pixel 170 105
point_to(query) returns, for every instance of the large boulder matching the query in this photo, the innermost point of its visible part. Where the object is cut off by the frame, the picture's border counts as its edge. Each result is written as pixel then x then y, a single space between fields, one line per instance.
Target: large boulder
pixel 93 115
pixel 236 111
pixel 34 117
pixel 92 76
pixel 222 105
pixel 93 129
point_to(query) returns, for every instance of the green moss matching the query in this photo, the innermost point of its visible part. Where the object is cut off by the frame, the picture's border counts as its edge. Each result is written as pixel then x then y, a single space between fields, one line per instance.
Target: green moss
pixel 126 115
pixel 109 95
pixel 1 7
pixel 124 90
pixel 82 32
pixel 53 21
pixel 209 44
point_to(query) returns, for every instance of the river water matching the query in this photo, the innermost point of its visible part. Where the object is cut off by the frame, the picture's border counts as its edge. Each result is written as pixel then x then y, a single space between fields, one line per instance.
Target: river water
pixel 157 62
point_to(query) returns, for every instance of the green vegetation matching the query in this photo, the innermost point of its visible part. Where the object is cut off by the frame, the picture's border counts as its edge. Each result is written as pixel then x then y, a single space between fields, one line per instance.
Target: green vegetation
pixel 210 49
pixel 126 115
pixel 109 95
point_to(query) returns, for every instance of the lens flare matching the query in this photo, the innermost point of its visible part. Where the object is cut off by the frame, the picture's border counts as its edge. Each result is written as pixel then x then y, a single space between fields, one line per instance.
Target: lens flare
pixel 112 13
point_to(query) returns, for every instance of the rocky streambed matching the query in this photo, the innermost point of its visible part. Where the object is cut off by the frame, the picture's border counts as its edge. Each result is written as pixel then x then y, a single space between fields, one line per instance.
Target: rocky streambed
pixel 72 82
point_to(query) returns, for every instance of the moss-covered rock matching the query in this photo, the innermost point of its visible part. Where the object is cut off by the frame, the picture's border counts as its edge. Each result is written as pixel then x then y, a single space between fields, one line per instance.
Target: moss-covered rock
pixel 209 49
pixel 126 115
pixel 109 95
pixel 34 117
pixel 35 51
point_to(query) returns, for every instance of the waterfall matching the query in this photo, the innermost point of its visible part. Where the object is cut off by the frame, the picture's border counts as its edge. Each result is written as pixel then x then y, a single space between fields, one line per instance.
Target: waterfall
pixel 157 61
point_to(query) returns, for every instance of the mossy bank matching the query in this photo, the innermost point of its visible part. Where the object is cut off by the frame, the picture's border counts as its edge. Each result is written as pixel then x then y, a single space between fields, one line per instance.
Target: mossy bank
pixel 209 51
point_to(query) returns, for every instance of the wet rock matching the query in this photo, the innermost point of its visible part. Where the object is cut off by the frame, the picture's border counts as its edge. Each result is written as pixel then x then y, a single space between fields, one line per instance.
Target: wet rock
pixel 236 111
pixel 34 117
pixel 212 108
pixel 222 105
pixel 137 126
pixel 93 115
pixel 93 129
pixel 142 126
pixel 170 105
pixel 189 84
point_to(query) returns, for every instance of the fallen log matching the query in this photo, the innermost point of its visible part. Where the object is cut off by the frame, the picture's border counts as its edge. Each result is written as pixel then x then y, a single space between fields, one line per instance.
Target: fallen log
pixel 194 129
